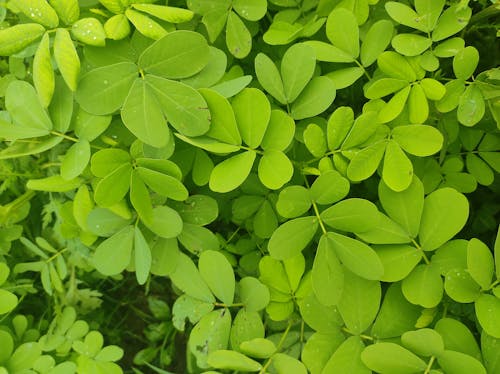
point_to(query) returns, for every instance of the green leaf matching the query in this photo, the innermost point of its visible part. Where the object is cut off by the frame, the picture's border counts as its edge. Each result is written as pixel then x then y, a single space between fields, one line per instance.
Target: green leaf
pixel 197 239
pixel 418 140
pixel 187 278
pixel 398 169
pixel 327 273
pixel 314 99
pixel 391 358
pixel 293 201
pixel 363 128
pixel 218 275
pixel 329 188
pixel 197 209
pixel 232 172
pixel 359 303
pixel 223 125
pixel 24 357
pixel 253 11
pixel 410 44
pixel 166 13
pixel 480 263
pixel 424 342
pixel 496 252
pixel 113 255
pixel 343 78
pixel 479 169
pixel 471 106
pixel 61 107
pixel 280 131
pixel 289 239
pixel 67 58
pixel 54 183
pixel 117 27
pixel 75 160
pixel 179 54
pixel 453 19
pixel 385 86
pixel 104 90
pixel 43 73
pixel 315 140
pixel 429 11
pixel 404 207
pixel 108 160
pixel 365 162
pixel 321 318
pixel 113 187
pixel 67 10
pixel 16 38
pixel 269 77
pixel 165 222
pixel 89 31
pixel 139 197
pixel 403 14
pixel 165 255
pixel 488 313
pixel 394 106
pixel 258 348
pixel 459 363
pixel 104 222
pixel 376 41
pixel 246 326
pixel 145 25
pixel 329 53
pixel 449 47
pixel 385 232
pixel 398 260
pixel 342 31
pixel 491 358
pixel 451 98
pixel 238 38
pixel 252 111
pixel 347 359
pixel 318 350
pixel 284 363
pixel 39 11
pixel 297 68
pixel 445 213
pixel 275 169
pixel 423 286
pixel 253 294
pixel 23 105
pixel 186 110
pixel 231 360
pixel 460 286
pixel 142 257
pixel 457 337
pixel 8 302
pixel 418 106
pixel 356 256
pixel 396 66
pixel 89 126
pixel 209 335
pixel 465 62
pixel 163 184
pixel 352 215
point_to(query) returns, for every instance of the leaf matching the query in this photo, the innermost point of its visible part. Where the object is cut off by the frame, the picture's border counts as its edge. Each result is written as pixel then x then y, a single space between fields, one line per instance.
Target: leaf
pixel 142 257
pixel 391 358
pixel 232 360
pixel 280 131
pixel 365 162
pixel 23 105
pixel 75 160
pixel 104 222
pixel 188 279
pixel 24 357
pixel 15 38
pixel 165 256
pixel 293 201
pixel 253 11
pixel 289 239
pixel 8 302
pixel 209 335
pixel 269 77
pixel 404 207
pixel 327 273
pixel 352 215
pixel 166 13
pixel 314 99
pixel 246 326
pixel 39 11
pixel 480 263
pixel 363 128
pixel 67 58
pixel 424 342
pixel 104 90
pixel 232 172
pixel 199 210
pixel 488 313
pixel 396 66
pixel 113 255
pixel 43 74
pixel 479 169
pixel 218 275
pixel 275 169
pixel 471 106
pixel 314 140
pixel 329 188
pixel 457 337
pixel 445 213
pixel 376 41
pixel 418 140
pixel 418 106
pixel 179 54
pixel 318 350
pixel 359 303
pixel 223 125
pixel 253 294
pixel 252 111
pixel 89 31
pixel 465 62
pixel 145 25
pixel 398 260
pixel 342 31
pixel 165 222
pixel 489 347
pixel 238 38
pixel 113 187
pixel 54 183
pixel 117 27
pixel 67 10
pixel 453 19
pixel 108 160
pixel 329 53
pixel 186 110
pixel 343 78
pixel 403 14
pixel 385 86
pixel 356 256
pixel 258 348
pixel 460 286
pixel 61 107
pixel 297 68
pixel 410 44
pixel 398 169
pixel 459 363
pixel 423 286
pixel 346 359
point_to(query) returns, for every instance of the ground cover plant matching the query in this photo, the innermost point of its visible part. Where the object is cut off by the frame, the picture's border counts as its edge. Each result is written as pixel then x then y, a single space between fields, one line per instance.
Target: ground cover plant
pixel 231 186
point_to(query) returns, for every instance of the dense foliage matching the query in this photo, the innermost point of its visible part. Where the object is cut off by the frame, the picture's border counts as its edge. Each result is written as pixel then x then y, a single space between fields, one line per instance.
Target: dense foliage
pixel 272 186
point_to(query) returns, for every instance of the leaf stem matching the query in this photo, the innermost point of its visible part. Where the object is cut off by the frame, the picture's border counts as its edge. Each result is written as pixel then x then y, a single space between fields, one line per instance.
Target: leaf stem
pixel 421 250
pixel 316 211
pixel 278 348
pixel 57 133
pixel 429 365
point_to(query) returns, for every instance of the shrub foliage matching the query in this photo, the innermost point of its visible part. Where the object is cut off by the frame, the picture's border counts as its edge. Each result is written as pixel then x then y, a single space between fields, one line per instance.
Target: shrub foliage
pixel 272 186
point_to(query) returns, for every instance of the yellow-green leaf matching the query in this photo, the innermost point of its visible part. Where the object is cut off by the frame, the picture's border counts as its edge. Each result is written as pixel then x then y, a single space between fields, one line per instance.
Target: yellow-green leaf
pixel 67 58
pixel 39 11
pixel 117 27
pixel 89 31
pixel 67 10
pixel 15 38
pixel 166 13
pixel 43 74
pixel 145 25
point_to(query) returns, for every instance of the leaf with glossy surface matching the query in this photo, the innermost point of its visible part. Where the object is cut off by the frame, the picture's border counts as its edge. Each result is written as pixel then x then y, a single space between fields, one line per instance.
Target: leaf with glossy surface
pixel 232 172
pixel 113 255
pixel 67 58
pixel 297 68
pixel 43 73
pixel 376 41
pixel 460 363
pixel 289 239
pixel 471 106
pixel 75 160
pixel 188 279
pixel 410 44
pixel 398 260
pixel 238 38
pixel 16 38
pixel 342 31
pixel 398 169
pixel 269 77
pixel 418 140
pixel 488 313
pixel 218 275
pixel 275 169
pixel 232 360
pixel 142 257
pixel 165 222
pixel 252 111
pixel 392 358
pixel 314 99
pixel 346 359
pixel 423 286
pixel 352 215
